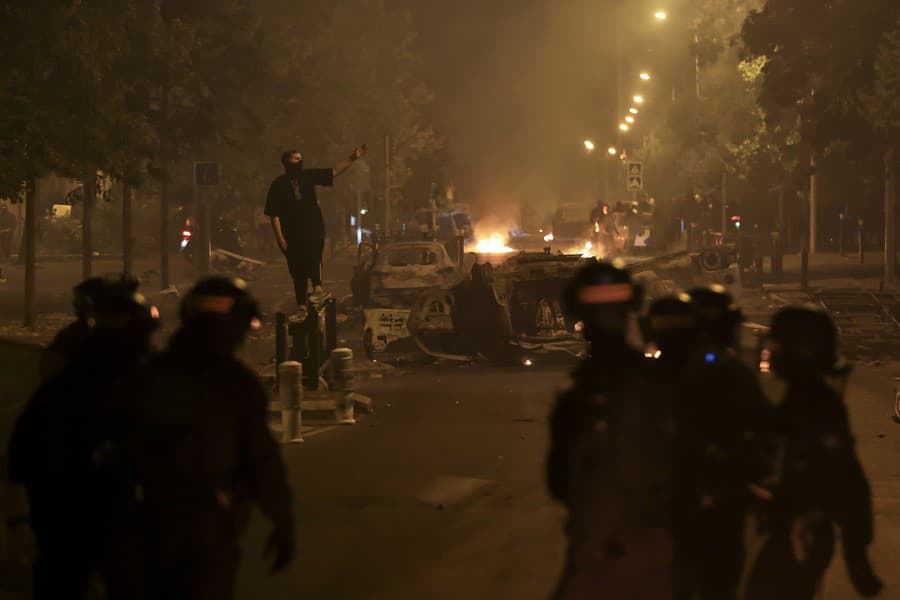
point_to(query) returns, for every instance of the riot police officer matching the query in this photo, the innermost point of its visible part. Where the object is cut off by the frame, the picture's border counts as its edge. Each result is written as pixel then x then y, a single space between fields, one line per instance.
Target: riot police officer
pixel 608 462
pixel 61 448
pixel 720 453
pixel 84 295
pixel 671 328
pixel 203 450
pixel 821 484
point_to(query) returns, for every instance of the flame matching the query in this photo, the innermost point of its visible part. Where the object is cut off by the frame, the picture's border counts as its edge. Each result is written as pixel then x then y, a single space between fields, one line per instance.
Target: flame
pixel 493 244
pixel 586 251
pixel 548 237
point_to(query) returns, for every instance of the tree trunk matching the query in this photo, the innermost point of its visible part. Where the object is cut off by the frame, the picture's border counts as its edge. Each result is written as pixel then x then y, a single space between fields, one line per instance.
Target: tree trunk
pixel 890 225
pixel 29 238
pixel 164 233
pixel 127 234
pixel 89 187
pixel 813 181
pixel 202 226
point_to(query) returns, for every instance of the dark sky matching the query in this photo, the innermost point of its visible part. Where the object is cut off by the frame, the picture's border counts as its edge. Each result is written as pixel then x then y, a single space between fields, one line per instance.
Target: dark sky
pixel 519 84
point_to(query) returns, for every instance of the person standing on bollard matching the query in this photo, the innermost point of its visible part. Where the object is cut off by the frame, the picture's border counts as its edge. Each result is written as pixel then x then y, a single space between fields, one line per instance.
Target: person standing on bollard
pixel 63 450
pixel 297 220
pixel 821 484
pixel 609 457
pixel 202 450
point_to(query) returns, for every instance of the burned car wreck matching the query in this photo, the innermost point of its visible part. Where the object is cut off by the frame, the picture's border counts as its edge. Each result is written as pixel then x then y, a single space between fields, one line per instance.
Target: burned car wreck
pixel 508 305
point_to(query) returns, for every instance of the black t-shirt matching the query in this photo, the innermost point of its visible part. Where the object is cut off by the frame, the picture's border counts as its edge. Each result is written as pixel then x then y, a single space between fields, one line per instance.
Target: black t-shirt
pixel 294 202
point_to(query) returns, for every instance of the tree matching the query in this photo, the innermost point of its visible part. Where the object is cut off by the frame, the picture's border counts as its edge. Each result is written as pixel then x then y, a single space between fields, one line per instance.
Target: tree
pixel 883 111
pixel 819 63
pixel 348 73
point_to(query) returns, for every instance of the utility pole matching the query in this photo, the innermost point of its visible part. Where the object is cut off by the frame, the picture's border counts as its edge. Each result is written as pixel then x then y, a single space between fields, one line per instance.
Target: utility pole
pixel 164 282
pixel 697 64
pixel 387 185
pixel 812 202
pixel 724 203
pixel 127 237
pixel 89 187
pixel 890 225
pixel 30 238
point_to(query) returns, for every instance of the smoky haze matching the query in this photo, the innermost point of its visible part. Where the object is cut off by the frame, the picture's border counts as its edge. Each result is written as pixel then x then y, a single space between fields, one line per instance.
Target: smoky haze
pixel 519 85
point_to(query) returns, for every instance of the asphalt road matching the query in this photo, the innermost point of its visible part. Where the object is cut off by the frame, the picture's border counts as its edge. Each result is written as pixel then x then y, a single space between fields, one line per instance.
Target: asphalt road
pixel 440 493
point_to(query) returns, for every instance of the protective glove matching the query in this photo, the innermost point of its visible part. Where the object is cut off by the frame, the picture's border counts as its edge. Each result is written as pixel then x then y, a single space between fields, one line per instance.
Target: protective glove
pixel 281 545
pixel 863 577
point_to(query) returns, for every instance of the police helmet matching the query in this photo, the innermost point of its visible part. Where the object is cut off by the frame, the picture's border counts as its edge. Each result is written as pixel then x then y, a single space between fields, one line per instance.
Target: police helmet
pixel 598 285
pixel 86 293
pixel 671 321
pixel 120 310
pixel 221 296
pixel 803 339
pixel 718 314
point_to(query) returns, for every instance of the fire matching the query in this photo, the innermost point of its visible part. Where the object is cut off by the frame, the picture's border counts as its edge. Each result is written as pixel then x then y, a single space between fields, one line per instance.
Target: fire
pixel 586 251
pixel 493 244
pixel 548 237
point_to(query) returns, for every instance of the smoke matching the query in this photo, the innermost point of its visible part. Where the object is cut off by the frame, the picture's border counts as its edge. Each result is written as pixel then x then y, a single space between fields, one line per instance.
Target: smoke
pixel 516 103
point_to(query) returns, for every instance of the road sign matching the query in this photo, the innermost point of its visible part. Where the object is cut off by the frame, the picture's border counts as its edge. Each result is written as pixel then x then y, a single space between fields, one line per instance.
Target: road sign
pixel 206 173
pixel 635 179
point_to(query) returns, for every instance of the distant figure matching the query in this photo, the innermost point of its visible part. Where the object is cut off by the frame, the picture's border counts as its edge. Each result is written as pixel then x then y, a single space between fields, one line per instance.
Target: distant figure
pixel 85 295
pixel 202 450
pixel 821 483
pixel 7 228
pixel 62 450
pixel 610 453
pixel 297 219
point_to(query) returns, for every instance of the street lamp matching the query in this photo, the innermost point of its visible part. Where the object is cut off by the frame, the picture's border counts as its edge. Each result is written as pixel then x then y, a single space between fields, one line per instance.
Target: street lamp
pixel 645 76
pixel 660 15
pixel 589 145
pixel 612 151
pixel 633 110
pixel 623 127
pixel 629 119
pixel 638 99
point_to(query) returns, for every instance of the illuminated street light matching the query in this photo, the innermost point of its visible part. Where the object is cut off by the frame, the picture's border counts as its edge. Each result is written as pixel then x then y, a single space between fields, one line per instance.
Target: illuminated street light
pixel 660 15
pixel 638 99
pixel 633 110
pixel 612 151
pixel 629 119
pixel 623 127
pixel 645 76
pixel 589 145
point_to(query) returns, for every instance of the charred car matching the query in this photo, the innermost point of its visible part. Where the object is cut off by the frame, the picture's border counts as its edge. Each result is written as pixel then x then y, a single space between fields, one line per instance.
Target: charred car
pixel 390 280
pixel 396 274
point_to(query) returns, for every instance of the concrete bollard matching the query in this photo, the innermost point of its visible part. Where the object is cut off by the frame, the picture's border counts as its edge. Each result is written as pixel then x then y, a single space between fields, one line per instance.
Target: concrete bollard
pixel 290 395
pixel 342 384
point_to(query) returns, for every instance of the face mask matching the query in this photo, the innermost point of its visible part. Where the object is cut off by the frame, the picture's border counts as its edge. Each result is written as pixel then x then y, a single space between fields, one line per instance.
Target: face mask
pixel 294 169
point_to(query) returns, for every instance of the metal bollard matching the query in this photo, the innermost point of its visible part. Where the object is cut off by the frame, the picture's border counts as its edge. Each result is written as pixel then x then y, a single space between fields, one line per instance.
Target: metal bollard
pixel 281 349
pixel 290 395
pixel 342 384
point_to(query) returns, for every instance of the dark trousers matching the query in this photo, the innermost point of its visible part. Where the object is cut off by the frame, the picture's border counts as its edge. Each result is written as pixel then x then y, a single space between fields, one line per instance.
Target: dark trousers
pixel 305 264
pixel 191 557
pixel 709 556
